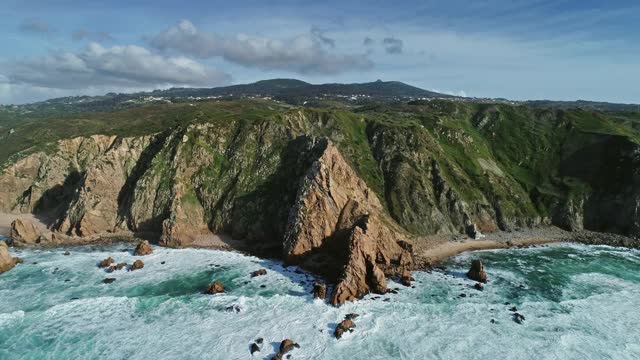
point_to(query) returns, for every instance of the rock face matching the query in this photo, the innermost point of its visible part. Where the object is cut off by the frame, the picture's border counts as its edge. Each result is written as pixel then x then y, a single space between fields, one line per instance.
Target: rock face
pixel 143 248
pixel 477 272
pixel 319 291
pixel 215 288
pixel 7 262
pixel 340 193
pixel 23 231
pixel 344 326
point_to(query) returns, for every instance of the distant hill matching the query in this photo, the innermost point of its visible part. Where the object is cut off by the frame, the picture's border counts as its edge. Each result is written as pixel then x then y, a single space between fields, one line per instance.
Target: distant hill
pixel 297 88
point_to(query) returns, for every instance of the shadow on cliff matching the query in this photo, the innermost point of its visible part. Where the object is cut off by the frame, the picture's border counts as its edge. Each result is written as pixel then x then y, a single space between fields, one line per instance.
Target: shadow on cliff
pixel 56 201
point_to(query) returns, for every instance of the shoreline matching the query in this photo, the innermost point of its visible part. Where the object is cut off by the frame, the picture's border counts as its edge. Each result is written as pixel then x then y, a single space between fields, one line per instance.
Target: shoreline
pixel 428 250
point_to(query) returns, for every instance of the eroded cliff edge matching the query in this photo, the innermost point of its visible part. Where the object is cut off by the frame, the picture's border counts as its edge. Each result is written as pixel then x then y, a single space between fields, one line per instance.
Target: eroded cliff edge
pixel 344 194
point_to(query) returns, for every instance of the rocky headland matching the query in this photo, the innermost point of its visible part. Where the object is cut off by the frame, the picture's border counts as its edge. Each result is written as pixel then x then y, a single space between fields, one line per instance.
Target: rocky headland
pixel 356 197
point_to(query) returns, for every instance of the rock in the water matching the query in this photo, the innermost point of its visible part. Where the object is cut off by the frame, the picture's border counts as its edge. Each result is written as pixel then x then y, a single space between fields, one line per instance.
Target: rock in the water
pixel 351 316
pixel 108 280
pixel 287 345
pixel 254 348
pixel 106 262
pixel 121 266
pixel 111 269
pixel 344 326
pixel 259 340
pixel 138 264
pixel 215 288
pixel 478 286
pixel 66 253
pixel 259 272
pixel 143 248
pixel 477 272
pixel 519 318
pixel 406 278
pixel 7 262
pixel 319 291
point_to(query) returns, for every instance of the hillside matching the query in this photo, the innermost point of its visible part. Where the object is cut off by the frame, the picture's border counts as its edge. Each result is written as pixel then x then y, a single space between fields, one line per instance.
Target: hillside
pixel 344 192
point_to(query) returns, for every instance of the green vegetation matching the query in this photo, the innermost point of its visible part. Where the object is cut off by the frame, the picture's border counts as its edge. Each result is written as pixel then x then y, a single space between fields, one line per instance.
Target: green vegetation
pixel 422 158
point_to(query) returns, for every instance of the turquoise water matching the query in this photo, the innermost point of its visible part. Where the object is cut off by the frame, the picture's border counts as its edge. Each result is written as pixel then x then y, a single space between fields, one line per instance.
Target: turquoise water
pixel 579 303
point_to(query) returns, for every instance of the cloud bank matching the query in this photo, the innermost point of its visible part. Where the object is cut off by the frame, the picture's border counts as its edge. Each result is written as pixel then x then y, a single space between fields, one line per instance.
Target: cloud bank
pixel 126 66
pixel 303 54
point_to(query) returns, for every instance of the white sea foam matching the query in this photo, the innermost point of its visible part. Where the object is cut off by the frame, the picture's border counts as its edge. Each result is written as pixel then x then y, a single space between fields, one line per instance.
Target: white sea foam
pixel 160 312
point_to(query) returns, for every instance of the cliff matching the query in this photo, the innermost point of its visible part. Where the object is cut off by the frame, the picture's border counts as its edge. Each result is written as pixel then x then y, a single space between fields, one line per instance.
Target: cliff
pixel 344 193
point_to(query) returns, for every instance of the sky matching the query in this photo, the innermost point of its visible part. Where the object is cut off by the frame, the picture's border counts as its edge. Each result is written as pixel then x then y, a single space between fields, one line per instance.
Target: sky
pixel 515 49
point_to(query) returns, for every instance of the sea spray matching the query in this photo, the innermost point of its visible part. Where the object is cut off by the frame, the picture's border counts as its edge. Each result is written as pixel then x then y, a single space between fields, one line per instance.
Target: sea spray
pixel 578 301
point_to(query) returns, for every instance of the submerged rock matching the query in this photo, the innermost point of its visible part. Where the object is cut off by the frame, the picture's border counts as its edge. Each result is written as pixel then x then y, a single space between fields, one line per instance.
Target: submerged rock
pixel 344 326
pixel 259 272
pixel 138 264
pixel 106 262
pixel 7 262
pixel 319 291
pixel 108 280
pixel 478 286
pixel 143 248
pixel 519 318
pixel 351 316
pixel 477 272
pixel 215 288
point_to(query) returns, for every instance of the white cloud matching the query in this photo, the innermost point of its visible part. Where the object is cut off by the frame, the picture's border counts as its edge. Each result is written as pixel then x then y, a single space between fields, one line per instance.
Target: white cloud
pixel 303 54
pixel 124 66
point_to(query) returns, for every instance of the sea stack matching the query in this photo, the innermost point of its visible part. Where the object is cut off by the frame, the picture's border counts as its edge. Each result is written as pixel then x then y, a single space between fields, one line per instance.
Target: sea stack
pixel 477 272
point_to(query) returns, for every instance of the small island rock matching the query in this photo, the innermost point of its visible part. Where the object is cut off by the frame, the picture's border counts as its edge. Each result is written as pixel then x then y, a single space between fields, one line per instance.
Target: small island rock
pixel 477 272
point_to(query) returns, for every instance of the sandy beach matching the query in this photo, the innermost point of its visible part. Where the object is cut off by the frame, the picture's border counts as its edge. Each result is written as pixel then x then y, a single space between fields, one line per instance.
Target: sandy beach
pixel 7 219
pixel 433 249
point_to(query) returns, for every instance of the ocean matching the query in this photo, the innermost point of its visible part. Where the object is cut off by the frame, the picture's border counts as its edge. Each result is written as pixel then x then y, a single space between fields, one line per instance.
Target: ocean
pixel 579 302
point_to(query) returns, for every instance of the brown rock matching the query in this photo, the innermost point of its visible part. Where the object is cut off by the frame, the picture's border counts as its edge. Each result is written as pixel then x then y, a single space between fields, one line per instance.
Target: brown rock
pixel 344 326
pixel 138 264
pixel 477 272
pixel 106 262
pixel 362 274
pixel 351 316
pixel 259 273
pixel 319 291
pixel 24 231
pixel 478 286
pixel 111 269
pixel 215 288
pixel 143 248
pixel 121 266
pixel 287 345
pixel 7 262
pixel 334 203
pixel 406 278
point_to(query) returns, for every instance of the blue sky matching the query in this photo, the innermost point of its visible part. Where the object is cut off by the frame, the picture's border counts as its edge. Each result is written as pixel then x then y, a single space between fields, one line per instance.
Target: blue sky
pixel 516 49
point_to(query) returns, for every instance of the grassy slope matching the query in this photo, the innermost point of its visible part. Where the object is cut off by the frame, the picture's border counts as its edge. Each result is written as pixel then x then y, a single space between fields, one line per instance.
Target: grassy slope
pixel 527 145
